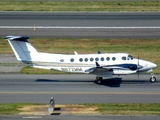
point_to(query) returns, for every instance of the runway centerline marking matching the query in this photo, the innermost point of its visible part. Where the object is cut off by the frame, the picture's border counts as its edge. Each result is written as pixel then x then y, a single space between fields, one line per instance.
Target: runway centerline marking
pixel 76 27
pixel 85 93
pixel 32 117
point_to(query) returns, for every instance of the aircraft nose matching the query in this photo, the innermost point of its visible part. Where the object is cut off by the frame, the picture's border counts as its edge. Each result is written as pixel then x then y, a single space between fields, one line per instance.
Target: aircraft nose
pixel 153 65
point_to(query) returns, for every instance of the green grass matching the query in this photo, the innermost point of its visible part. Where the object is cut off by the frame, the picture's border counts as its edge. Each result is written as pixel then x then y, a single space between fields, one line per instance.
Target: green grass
pixel 12 108
pixel 148 49
pixel 130 109
pixel 113 109
pixel 141 5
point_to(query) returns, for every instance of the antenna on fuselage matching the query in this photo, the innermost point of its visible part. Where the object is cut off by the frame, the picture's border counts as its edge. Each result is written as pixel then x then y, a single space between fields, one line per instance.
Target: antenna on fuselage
pixel 75 52
pixel 99 52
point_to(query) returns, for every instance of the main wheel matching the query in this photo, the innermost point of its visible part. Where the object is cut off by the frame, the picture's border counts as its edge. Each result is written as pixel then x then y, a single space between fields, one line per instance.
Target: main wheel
pixel 153 79
pixel 99 80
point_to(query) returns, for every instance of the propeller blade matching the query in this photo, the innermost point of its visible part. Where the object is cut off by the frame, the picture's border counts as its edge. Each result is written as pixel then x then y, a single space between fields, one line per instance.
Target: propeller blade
pixel 97 65
pixel 138 67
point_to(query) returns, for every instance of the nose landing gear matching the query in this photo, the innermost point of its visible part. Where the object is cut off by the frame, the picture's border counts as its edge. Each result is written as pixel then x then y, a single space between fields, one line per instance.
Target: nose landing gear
pixel 153 78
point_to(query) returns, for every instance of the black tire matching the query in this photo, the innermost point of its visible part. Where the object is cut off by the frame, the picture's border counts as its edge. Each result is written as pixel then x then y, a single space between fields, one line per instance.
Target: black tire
pixel 153 79
pixel 99 81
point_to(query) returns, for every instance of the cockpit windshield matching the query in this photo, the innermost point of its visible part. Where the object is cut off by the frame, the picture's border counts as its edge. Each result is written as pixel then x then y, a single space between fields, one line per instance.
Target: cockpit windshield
pixel 130 57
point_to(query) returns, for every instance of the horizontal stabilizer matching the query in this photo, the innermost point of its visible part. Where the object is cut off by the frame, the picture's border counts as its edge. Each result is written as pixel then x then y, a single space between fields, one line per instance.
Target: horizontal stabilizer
pixel 17 38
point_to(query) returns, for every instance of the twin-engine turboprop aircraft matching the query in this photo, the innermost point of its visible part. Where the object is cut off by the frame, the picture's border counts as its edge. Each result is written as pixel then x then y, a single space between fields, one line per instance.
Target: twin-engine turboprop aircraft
pixel 103 65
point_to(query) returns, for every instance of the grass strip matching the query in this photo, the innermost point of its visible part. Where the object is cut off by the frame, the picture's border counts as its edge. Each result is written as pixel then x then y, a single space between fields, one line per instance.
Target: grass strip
pixel 129 109
pixel 12 108
pixel 141 5
pixel 111 108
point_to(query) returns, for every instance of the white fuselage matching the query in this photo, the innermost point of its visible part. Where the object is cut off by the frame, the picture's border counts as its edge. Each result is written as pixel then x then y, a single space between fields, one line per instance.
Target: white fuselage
pixel 79 63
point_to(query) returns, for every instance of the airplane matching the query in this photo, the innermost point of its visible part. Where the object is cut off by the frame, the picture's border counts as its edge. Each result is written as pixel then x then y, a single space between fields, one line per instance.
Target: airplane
pixel 102 65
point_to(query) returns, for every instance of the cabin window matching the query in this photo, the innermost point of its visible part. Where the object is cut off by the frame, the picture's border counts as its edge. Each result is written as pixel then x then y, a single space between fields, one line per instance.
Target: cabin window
pixel 86 59
pixel 108 58
pixel 81 60
pixel 124 58
pixel 102 58
pixel 72 60
pixel 97 59
pixel 61 60
pixel 113 58
pixel 91 59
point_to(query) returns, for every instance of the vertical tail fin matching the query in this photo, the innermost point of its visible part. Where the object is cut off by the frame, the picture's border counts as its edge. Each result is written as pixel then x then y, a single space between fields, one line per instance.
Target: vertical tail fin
pixel 22 49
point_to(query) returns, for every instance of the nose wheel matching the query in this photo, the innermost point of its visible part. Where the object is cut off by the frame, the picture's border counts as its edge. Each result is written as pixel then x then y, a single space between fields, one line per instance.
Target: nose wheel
pixel 153 78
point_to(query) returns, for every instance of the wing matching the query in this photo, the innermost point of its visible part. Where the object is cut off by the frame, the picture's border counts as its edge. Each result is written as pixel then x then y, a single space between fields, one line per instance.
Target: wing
pixel 113 69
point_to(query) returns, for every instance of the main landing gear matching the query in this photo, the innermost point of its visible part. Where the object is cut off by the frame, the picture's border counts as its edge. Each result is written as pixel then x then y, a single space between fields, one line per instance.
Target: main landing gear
pixel 99 80
pixel 153 78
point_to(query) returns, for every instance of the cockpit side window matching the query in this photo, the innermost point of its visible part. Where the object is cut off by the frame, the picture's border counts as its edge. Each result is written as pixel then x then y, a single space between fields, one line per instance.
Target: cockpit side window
pixel 130 57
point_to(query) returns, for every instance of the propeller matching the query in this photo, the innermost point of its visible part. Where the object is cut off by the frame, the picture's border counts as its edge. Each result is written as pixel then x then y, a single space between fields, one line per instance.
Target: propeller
pixel 97 65
pixel 138 67
pixel 92 70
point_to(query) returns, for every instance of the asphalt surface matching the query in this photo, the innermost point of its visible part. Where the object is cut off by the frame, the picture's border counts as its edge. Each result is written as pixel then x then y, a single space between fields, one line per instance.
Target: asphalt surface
pixel 68 117
pixel 9 64
pixel 81 24
pixel 68 89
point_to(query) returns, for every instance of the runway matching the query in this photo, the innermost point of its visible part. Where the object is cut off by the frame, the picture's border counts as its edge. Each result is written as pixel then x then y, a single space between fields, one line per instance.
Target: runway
pixel 81 24
pixel 80 89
